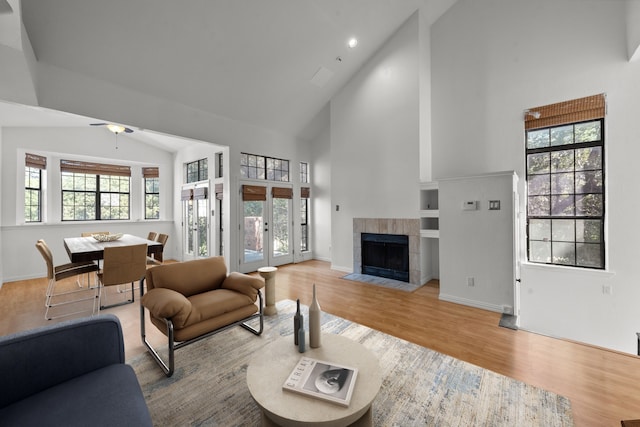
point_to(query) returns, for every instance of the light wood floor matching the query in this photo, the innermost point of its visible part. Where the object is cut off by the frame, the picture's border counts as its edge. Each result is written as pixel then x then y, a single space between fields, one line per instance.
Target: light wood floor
pixel 603 385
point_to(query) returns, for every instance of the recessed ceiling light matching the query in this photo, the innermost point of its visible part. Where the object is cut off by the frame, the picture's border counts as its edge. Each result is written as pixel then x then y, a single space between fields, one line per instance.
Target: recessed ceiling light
pixel 353 42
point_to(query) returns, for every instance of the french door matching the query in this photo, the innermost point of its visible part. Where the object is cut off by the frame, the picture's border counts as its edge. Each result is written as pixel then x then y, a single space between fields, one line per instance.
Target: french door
pixel 265 226
pixel 195 221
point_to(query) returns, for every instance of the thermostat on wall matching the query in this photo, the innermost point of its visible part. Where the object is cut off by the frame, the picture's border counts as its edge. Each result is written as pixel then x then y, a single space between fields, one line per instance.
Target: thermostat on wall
pixel 470 205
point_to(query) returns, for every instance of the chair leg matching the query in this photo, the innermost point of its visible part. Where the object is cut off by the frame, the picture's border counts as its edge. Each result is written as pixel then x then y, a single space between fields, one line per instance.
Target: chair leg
pixel 260 315
pixel 129 301
pixel 50 294
pixel 169 368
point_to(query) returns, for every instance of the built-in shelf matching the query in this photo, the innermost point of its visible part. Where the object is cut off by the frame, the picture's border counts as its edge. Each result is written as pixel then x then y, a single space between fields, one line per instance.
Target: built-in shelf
pixel 432 234
pixel 429 213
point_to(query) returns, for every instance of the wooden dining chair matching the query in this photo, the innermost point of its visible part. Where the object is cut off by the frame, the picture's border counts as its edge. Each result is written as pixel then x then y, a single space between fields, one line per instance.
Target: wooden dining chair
pixel 120 265
pixel 152 235
pixel 158 259
pixel 89 234
pixel 56 273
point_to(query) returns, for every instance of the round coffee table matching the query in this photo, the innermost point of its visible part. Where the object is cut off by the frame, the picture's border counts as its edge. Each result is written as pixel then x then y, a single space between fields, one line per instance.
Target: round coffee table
pixel 268 370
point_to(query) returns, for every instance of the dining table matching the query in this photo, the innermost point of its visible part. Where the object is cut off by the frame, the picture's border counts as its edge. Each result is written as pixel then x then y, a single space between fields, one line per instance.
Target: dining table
pixel 82 249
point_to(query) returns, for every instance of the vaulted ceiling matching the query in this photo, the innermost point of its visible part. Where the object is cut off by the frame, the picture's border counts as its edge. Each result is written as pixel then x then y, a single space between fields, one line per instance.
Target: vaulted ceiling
pixel 250 61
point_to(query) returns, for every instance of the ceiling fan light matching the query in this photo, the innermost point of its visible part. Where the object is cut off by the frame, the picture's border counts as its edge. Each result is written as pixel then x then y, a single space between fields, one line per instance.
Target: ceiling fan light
pixel 115 128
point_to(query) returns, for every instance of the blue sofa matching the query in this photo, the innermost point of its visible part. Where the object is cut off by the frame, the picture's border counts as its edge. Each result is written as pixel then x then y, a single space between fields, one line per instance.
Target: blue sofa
pixel 70 374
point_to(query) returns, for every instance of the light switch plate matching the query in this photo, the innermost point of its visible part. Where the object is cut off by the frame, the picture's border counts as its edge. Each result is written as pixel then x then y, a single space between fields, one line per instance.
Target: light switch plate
pixel 494 205
pixel 469 205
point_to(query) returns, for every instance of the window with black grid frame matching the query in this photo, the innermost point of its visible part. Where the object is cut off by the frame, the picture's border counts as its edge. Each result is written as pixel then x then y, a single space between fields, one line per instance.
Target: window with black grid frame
pixel 33 174
pixel 565 188
pixel 94 191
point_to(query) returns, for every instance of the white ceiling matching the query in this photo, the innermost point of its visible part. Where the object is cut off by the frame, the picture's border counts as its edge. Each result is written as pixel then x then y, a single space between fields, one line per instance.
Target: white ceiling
pixel 247 60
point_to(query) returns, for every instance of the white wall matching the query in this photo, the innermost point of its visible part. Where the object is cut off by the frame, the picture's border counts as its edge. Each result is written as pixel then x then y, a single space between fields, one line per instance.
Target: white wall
pixel 321 196
pixel 492 59
pixel 374 142
pixel 477 244
pixel 19 257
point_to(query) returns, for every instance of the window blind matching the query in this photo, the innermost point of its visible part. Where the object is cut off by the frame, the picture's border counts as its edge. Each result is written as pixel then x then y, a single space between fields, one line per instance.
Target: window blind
pixel 35 161
pixel 254 193
pixel 577 110
pixel 152 172
pixel 282 193
pixel 219 189
pixel 94 168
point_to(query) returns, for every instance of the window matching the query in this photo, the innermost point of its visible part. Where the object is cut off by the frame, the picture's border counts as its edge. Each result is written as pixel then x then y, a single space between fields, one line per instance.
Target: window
pixel 151 193
pixel 304 173
pixel 261 167
pixel 220 164
pixel 277 170
pixel 304 207
pixel 34 165
pixel 304 219
pixel 197 171
pixel 94 191
pixel 565 183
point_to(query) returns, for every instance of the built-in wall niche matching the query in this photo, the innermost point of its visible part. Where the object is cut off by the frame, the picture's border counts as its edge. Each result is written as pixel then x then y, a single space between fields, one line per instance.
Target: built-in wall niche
pixel 429 210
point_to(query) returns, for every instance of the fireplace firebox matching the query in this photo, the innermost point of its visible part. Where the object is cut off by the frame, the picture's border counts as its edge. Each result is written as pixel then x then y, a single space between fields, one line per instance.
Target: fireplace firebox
pixel 386 255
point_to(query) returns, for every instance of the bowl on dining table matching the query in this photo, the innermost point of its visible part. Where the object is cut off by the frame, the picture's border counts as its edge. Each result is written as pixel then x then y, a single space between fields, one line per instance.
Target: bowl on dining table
pixel 107 237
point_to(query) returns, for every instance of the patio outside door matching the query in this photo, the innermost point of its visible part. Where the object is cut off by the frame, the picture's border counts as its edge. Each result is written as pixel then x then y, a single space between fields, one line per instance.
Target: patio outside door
pixel 266 227
pixel 195 221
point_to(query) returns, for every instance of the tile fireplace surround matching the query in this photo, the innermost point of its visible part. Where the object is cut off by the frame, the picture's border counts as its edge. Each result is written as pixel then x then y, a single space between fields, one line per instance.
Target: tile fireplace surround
pixel 402 226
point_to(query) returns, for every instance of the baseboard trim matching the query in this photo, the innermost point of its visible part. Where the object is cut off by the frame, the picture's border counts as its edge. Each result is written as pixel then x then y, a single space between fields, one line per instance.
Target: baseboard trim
pixel 471 303
pixel 341 268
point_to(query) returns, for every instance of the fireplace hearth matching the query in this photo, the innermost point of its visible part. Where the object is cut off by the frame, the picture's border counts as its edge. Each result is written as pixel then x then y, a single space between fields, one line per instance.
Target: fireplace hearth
pixel 386 255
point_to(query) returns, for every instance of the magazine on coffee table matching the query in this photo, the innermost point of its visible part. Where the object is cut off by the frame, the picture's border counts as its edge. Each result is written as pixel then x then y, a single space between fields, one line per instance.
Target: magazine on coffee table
pixel 323 380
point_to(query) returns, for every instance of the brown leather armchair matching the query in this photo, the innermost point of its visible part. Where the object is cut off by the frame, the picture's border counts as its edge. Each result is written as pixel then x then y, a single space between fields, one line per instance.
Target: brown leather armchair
pixel 191 300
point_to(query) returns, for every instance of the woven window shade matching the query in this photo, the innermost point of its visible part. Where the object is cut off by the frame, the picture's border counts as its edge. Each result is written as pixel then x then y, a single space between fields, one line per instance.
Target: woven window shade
pixel 305 192
pixel 186 194
pixel 94 168
pixel 200 193
pixel 219 189
pixel 254 193
pixel 35 161
pixel 151 172
pixel 577 110
pixel 282 193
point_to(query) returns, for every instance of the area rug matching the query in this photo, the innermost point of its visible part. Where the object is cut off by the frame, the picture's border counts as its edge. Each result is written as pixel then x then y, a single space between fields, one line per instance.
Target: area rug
pixel 381 281
pixel 420 387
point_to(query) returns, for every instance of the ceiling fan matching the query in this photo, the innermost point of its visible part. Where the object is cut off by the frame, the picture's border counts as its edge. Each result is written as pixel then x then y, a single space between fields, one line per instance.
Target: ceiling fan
pixel 113 128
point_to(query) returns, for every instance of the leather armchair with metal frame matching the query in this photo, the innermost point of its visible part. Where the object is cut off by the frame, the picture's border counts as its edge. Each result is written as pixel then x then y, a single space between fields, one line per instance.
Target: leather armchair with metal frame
pixel 188 301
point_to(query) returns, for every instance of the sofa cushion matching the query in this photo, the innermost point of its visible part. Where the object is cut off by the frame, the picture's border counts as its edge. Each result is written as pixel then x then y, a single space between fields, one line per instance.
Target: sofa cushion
pixel 110 396
pixel 215 303
pixel 206 326
pixel 189 277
